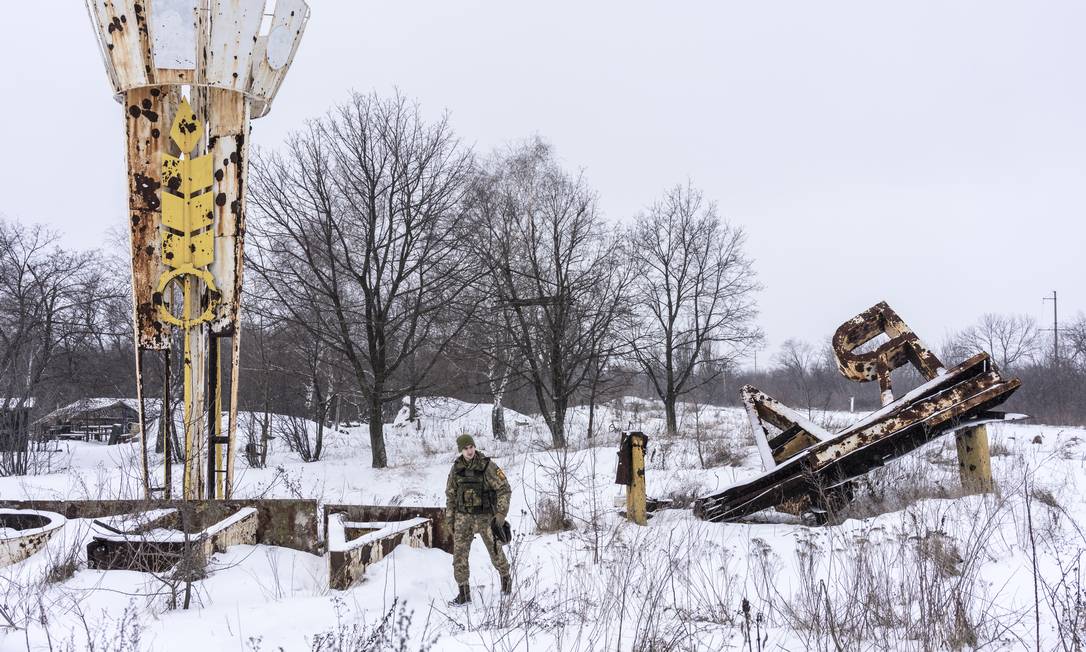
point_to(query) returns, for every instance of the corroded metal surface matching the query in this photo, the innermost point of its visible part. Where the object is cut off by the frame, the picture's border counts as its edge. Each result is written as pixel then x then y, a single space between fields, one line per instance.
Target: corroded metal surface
pixel 229 150
pixel 147 121
pixel 793 431
pixel 812 468
pixel 32 529
pixel 229 58
pixel 212 43
pixel 903 347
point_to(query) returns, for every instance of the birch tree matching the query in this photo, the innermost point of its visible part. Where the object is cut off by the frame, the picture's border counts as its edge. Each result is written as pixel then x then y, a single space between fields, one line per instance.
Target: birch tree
pixel 557 272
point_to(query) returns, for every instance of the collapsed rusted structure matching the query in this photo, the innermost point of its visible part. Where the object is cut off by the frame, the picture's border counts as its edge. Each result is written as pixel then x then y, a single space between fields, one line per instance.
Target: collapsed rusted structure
pixel 809 468
pixel 190 74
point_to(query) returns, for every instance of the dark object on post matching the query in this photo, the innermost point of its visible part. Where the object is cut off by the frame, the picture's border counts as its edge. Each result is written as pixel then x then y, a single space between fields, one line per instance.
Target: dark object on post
pixel 808 468
pixel 502 534
pixel 624 472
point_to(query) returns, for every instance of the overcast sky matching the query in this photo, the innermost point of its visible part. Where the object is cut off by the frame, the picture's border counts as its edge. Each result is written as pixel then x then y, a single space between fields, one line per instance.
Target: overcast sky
pixel 931 153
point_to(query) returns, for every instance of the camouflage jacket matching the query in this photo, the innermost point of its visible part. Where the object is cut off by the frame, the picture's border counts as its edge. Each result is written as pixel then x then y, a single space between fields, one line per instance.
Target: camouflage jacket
pixel 465 476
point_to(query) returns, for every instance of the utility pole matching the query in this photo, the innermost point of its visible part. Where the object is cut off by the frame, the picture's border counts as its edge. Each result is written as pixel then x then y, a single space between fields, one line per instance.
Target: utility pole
pixel 1055 331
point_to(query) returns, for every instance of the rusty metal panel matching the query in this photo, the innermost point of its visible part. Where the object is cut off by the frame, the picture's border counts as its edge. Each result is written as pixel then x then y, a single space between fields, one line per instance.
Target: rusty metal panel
pixel 274 51
pixel 234 27
pixel 214 43
pixel 174 36
pixel 796 432
pixel 187 230
pixel 229 151
pixel 148 110
pixel 30 531
pixel 122 30
pixel 904 347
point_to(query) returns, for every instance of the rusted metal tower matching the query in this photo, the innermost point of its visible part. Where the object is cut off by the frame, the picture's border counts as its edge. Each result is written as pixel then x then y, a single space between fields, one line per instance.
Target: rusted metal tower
pixel 190 74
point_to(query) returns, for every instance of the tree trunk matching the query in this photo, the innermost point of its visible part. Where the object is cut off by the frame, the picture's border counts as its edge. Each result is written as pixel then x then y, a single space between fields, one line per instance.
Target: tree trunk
pixel 497 413
pixel 497 420
pixel 670 411
pixel 319 442
pixel 558 426
pixel 591 416
pixel 265 435
pixel 336 420
pixel 377 429
pixel 592 398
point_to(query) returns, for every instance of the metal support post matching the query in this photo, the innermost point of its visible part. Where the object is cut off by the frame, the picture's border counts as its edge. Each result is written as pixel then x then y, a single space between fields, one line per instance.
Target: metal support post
pixel 635 492
pixel 974 460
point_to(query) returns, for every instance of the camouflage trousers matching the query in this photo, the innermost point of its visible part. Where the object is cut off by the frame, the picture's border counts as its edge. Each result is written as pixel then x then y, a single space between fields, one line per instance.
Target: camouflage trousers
pixel 464 531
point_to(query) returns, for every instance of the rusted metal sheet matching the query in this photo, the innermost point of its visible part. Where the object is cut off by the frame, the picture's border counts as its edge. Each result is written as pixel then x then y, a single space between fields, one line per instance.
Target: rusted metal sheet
pixel 174 32
pixel 807 466
pixel 229 147
pixel 229 150
pixel 234 27
pixel 123 38
pixel 274 51
pixel 31 530
pixel 147 117
pixel 904 347
pixel 188 196
pixel 214 43
pixel 353 546
pixel 794 432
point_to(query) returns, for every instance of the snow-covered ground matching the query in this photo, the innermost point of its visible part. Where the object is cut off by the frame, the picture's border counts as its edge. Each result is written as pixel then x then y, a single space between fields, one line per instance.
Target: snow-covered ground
pixel 913 564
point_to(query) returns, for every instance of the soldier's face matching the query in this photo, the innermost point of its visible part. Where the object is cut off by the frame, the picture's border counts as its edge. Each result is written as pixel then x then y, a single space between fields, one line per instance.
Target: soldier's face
pixel 469 452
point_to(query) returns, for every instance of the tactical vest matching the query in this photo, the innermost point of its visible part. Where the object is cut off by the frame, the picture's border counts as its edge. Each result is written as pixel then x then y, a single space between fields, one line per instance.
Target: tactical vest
pixel 472 494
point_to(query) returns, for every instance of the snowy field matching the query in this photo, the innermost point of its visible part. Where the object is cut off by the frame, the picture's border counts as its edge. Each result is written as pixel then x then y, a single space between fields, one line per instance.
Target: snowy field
pixel 912 564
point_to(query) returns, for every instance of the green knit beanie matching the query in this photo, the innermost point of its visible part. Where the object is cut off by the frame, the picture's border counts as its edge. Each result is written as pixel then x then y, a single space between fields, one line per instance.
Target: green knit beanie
pixel 463 441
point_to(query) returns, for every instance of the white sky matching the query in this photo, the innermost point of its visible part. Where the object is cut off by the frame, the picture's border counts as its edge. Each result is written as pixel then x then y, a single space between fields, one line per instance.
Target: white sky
pixel 931 153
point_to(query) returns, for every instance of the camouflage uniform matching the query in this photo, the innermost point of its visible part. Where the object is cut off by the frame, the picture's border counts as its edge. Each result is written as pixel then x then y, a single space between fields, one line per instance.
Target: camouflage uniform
pixel 476 493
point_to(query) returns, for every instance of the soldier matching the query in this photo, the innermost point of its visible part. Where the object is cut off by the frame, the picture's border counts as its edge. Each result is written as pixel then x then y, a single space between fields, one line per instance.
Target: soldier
pixel 477 493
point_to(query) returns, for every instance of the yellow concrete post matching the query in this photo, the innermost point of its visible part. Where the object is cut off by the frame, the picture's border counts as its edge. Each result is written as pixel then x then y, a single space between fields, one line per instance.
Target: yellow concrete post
pixel 635 492
pixel 974 460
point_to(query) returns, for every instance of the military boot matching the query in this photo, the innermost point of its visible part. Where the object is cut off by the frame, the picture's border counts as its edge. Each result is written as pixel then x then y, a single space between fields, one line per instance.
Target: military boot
pixel 507 585
pixel 463 597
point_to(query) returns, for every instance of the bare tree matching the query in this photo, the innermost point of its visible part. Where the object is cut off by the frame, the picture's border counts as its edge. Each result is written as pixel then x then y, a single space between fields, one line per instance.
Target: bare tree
pixel 1010 339
pixel 695 288
pixel 49 300
pixel 1074 334
pixel 801 363
pixel 557 273
pixel 356 229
